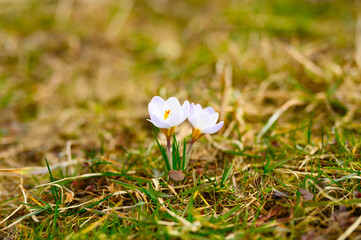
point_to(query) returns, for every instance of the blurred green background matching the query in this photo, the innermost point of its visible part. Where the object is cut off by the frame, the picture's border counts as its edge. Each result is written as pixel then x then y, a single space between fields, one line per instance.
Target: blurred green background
pixel 86 70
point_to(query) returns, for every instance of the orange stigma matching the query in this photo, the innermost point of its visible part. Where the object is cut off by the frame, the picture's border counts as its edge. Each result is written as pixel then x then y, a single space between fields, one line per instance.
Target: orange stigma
pixel 167 113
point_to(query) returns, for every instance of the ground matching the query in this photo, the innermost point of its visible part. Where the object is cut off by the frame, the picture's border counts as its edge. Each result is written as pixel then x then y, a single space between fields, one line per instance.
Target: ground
pixel 78 159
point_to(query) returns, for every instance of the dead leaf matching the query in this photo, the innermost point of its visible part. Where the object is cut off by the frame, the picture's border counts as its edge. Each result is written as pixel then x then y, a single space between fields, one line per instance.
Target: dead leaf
pixel 176 175
pixel 357 194
pixel 69 197
pixel 307 195
pixel 311 235
pixel 279 193
pixel 343 218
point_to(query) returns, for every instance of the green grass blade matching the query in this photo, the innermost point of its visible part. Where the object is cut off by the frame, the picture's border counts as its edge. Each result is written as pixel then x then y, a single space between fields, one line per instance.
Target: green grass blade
pixel 163 151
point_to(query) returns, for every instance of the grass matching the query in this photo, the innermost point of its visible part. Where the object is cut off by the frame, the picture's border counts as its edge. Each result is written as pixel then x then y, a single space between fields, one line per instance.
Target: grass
pixel 78 159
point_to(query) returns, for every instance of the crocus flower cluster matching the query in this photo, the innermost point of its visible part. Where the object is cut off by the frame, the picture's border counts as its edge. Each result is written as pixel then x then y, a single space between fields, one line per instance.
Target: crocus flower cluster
pixel 168 114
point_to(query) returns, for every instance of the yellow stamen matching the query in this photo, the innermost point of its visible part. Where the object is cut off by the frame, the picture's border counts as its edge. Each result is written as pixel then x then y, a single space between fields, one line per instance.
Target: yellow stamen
pixel 168 132
pixel 196 134
pixel 167 113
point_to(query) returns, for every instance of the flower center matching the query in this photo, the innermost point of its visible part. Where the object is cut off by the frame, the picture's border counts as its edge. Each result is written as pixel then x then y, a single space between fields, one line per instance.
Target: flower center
pixel 196 134
pixel 167 113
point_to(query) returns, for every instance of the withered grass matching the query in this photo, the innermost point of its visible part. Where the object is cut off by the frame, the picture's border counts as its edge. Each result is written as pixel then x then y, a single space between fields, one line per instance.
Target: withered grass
pixel 77 156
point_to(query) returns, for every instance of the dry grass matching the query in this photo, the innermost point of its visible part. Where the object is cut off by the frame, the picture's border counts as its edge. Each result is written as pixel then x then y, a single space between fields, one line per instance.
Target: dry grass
pixel 75 81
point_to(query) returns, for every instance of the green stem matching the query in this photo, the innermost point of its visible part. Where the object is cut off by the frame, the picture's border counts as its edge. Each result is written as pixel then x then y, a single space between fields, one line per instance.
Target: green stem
pixel 188 155
pixel 169 155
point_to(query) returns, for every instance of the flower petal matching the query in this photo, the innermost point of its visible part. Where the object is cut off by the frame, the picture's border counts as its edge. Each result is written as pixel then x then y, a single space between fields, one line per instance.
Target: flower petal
pixel 191 115
pixel 213 129
pixel 175 119
pixel 155 106
pixel 153 110
pixel 158 122
pixel 198 108
pixel 203 120
pixel 213 118
pixel 172 104
pixel 209 110
pixel 185 109
pixel 157 100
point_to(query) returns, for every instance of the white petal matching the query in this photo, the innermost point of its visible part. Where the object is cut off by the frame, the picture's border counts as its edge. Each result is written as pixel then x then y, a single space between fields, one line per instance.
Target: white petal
pixel 209 110
pixel 213 118
pixel 158 122
pixel 158 100
pixel 172 104
pixel 175 119
pixel 203 120
pixel 185 109
pixel 213 129
pixel 198 108
pixel 153 110
pixel 191 115
pixel 155 107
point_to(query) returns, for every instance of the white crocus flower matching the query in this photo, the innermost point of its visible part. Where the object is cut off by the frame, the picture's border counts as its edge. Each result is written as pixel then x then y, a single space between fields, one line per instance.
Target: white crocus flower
pixel 166 115
pixel 204 121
